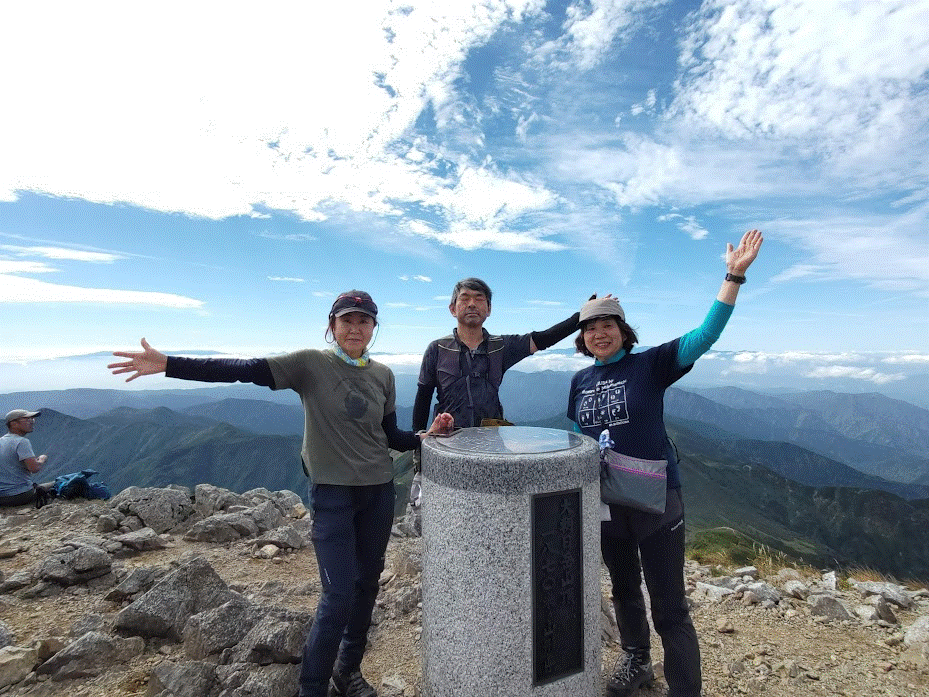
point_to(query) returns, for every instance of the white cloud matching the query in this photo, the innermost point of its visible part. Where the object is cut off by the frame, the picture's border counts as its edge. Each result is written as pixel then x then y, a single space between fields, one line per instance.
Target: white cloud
pixel 686 224
pixel 500 240
pixel 290 237
pixel 421 279
pixel 855 373
pixel 592 27
pixel 801 271
pixel 843 80
pixel 63 253
pixel 546 303
pixel 907 359
pixel 844 245
pixel 27 290
pixel 14 266
pixel 545 360
pixel 399 360
pixel 332 129
pixel 286 278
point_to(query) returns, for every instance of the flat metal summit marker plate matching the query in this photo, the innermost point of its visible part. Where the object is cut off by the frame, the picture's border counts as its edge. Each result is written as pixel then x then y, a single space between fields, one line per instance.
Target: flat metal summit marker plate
pixel 510 440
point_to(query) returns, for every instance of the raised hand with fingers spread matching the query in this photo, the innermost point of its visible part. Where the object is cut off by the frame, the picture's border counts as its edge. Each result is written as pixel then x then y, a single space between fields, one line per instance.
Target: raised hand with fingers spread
pixel 148 361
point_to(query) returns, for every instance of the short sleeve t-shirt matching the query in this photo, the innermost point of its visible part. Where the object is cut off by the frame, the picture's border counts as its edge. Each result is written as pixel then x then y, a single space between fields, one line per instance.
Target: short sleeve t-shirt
pixel 344 405
pixel 14 477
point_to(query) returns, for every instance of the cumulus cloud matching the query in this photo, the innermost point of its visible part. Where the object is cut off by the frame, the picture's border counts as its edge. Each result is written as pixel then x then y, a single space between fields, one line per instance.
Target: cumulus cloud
pixel 421 279
pixel 26 290
pixel 496 239
pixel 591 28
pixel 343 136
pixel 843 80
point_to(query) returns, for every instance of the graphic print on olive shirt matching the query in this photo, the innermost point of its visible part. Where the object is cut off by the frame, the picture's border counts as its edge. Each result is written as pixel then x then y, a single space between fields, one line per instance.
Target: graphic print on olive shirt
pixel 605 405
pixel 356 398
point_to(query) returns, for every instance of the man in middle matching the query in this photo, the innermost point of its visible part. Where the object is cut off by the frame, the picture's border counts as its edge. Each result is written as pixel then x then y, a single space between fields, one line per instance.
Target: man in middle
pixel 467 366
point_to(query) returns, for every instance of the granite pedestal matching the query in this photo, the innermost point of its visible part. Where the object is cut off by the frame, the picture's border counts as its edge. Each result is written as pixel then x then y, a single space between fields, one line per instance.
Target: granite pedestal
pixel 511 583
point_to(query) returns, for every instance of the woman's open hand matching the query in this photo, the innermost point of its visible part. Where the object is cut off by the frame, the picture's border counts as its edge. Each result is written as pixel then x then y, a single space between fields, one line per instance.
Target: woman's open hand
pixel 740 258
pixel 149 361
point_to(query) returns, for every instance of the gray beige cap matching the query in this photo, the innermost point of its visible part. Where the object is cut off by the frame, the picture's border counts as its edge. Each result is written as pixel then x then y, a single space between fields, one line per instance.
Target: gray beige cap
pixel 20 414
pixel 601 307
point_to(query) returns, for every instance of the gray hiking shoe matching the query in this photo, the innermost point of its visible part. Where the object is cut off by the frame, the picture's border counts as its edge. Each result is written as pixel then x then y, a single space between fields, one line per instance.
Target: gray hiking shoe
pixel 350 684
pixel 633 669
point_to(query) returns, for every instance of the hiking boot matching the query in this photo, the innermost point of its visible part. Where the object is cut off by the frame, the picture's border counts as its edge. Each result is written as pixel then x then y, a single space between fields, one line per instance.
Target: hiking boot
pixel 633 669
pixel 350 684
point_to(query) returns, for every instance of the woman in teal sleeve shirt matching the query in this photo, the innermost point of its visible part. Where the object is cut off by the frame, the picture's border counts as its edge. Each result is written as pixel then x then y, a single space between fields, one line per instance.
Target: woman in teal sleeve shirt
pixel 623 393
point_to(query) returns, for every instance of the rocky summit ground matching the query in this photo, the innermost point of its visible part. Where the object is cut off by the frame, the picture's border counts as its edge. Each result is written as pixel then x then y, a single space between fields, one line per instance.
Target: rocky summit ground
pixel 767 633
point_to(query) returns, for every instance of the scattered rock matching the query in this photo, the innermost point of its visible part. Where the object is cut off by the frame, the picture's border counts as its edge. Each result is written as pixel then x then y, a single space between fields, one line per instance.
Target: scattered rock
pixel 16 662
pixel 90 655
pixel 918 632
pixel 829 607
pixel 164 610
pixel 158 509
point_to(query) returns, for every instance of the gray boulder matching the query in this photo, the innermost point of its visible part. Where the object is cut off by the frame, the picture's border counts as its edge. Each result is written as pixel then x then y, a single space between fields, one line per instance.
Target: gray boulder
pixel 266 516
pixel 139 580
pixel 159 509
pixel 188 679
pixel 918 632
pixel 91 655
pixel 18 581
pixel 209 499
pixel 222 527
pixel 828 606
pixel 891 592
pixel 219 628
pixel 277 638
pixel 164 610
pixel 143 540
pixel 74 563
pixel 6 635
pixel 16 662
pixel 265 681
pixel 285 537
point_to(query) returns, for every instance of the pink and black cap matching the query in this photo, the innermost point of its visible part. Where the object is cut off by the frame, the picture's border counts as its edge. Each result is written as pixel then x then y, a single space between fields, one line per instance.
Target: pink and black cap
pixel 353 301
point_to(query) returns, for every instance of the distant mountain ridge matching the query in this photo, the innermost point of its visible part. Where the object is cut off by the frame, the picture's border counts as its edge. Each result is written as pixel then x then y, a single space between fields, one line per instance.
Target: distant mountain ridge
pixel 775 419
pixel 816 475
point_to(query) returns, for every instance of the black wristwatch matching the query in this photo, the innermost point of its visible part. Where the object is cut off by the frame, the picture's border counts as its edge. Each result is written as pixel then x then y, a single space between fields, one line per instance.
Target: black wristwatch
pixel 735 279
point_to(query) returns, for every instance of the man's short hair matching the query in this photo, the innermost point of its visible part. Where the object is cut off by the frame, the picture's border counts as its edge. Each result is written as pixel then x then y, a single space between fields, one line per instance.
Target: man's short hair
pixel 471 284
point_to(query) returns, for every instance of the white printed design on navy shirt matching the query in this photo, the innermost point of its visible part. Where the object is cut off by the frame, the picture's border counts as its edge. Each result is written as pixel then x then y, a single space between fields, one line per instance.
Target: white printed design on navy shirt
pixel 604 405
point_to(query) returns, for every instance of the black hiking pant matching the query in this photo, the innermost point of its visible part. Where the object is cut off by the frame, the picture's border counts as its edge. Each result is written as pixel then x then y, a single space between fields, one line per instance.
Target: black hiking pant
pixel 633 543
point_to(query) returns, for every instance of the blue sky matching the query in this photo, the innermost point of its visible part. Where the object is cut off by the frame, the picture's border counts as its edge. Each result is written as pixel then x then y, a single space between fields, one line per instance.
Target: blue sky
pixel 211 177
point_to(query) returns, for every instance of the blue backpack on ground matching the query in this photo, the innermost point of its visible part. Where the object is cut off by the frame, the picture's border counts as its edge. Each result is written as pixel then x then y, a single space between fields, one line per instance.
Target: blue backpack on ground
pixel 76 485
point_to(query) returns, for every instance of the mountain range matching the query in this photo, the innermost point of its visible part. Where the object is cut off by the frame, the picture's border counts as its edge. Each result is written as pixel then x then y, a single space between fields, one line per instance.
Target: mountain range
pixel 822 475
